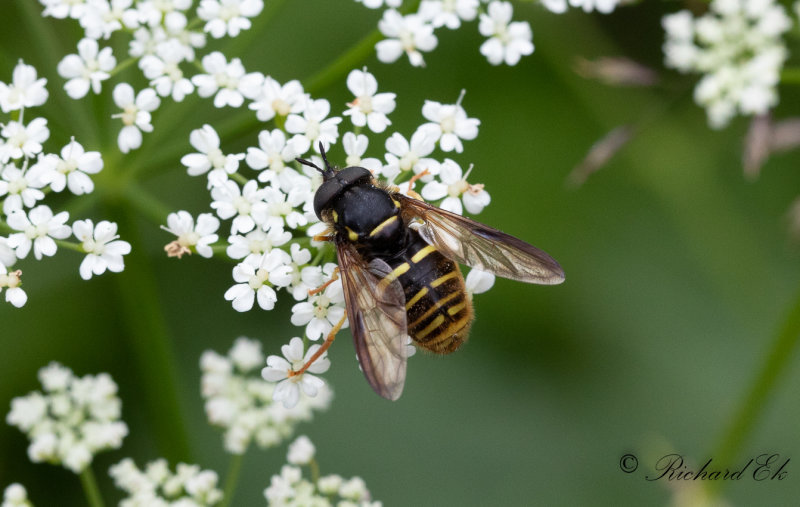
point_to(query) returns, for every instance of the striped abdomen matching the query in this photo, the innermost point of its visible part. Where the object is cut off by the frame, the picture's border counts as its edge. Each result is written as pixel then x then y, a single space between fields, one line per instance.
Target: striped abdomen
pixel 439 312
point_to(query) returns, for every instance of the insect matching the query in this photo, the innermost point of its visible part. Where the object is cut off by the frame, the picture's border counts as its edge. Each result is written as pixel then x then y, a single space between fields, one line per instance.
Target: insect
pixel 398 260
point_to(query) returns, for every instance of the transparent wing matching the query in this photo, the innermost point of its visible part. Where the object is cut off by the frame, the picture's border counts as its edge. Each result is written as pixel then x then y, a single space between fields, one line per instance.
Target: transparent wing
pixel 377 317
pixel 480 246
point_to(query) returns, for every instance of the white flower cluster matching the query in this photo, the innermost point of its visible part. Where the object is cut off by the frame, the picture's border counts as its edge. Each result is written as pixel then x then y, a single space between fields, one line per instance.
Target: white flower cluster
pixel 163 41
pixel 15 495
pixel 72 420
pixel 266 197
pixel 27 174
pixel 237 399
pixel 290 489
pixel 413 34
pixel 157 486
pixel 738 48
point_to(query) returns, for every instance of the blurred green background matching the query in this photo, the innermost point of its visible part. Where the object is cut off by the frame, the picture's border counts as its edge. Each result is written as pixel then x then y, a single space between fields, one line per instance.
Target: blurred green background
pixel 679 275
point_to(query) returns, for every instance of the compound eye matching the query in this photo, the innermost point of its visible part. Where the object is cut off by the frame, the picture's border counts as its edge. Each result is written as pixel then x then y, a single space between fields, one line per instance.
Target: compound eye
pixel 325 194
pixel 351 175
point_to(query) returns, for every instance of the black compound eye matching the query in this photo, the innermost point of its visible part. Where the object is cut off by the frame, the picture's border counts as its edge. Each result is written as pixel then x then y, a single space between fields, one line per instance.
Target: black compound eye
pixel 352 175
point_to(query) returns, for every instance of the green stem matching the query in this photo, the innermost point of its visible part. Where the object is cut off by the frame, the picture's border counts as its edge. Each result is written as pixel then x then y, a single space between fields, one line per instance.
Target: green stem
pixel 348 61
pixel 122 66
pixel 232 479
pixel 89 484
pixel 146 203
pixel 150 345
pixel 776 363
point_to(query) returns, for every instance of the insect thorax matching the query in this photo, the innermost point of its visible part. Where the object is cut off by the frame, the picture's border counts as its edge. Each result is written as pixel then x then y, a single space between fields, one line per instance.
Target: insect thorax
pixel 368 216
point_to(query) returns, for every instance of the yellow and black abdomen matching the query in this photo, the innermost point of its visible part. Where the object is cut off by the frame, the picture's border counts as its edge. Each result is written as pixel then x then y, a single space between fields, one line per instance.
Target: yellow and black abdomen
pixel 439 312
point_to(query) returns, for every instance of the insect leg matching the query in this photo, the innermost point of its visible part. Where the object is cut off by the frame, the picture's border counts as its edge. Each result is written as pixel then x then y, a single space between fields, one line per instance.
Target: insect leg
pixel 411 185
pixel 322 287
pixel 321 350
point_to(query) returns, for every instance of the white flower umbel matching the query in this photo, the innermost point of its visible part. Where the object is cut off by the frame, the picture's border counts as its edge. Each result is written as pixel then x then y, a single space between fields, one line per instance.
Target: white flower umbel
pixel 135 114
pixel 191 237
pixel 39 230
pixel 10 281
pixel 228 17
pixel 369 107
pixel 158 486
pixel 408 34
pixel 508 41
pixel 246 205
pixel 72 420
pixel 453 187
pixel 15 495
pixel 103 248
pixel 738 48
pixel 290 488
pixel 238 400
pixel 25 90
pixel 449 124
pixel 257 276
pixel 281 369
pixel 89 68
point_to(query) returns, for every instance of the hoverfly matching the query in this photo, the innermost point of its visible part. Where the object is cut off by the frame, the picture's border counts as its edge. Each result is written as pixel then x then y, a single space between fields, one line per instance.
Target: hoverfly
pixel 398 263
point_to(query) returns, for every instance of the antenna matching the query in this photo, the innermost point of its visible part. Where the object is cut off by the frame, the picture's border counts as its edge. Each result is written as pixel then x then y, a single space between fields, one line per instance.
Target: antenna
pixel 328 172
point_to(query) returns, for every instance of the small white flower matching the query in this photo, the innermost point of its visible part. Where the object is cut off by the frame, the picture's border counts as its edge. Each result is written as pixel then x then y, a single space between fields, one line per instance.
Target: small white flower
pixel 256 276
pixel 23 140
pixel 228 16
pixel 404 155
pixel 164 72
pixel 271 157
pixel 369 107
pixel 11 282
pixel 452 187
pixel 313 126
pixel 24 91
pixel 377 4
pixel 7 255
pixel 209 156
pixel 15 496
pixel 245 206
pixel 103 248
pixel 282 209
pixel 39 229
pixel 104 17
pixel 449 124
pixel 278 369
pixel 301 451
pixel 90 67
pixel 354 147
pixel 73 168
pixel 448 13
pixel 20 188
pixel 256 241
pixel 508 41
pixel 226 81
pixel 322 311
pixel 478 282
pixel 61 9
pixel 276 99
pixel 409 34
pixel 135 114
pixel 201 236
pixel 560 6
